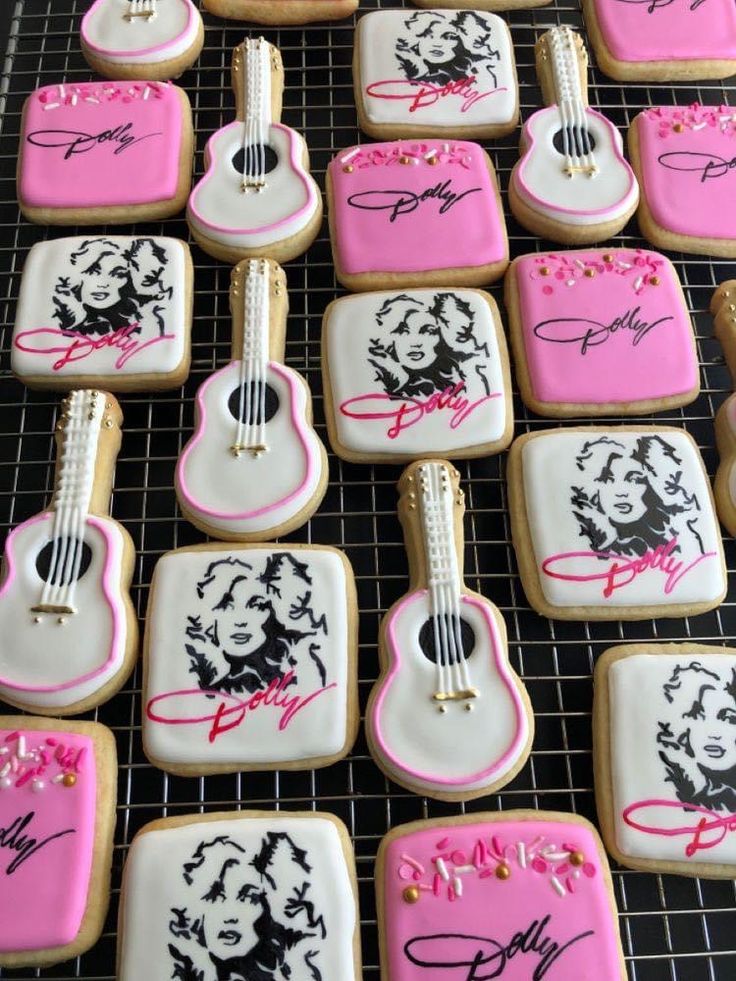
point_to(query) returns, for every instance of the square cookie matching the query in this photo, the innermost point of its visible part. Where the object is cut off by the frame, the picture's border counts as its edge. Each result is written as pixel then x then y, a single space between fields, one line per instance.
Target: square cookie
pixel 520 895
pixel 104 152
pixel 416 374
pixel 58 787
pixel 600 332
pixel 250 659
pixel 249 894
pixel 663 40
pixel 112 311
pixel 415 214
pixel 435 73
pixel 614 524
pixel 664 719
pixel 685 154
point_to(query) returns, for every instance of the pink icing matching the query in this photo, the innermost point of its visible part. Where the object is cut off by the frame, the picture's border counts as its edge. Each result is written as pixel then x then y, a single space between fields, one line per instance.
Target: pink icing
pixel 706 182
pixel 299 424
pixel 590 327
pixel 44 895
pixel 464 908
pixel 133 160
pixel 498 763
pixel 435 233
pixel 668 30
pixel 136 52
pixel 110 588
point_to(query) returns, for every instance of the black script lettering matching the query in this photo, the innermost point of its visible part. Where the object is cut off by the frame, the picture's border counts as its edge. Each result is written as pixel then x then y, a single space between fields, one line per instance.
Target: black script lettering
pixel 707 165
pixel 76 142
pixel 591 333
pixel 404 202
pixel 15 839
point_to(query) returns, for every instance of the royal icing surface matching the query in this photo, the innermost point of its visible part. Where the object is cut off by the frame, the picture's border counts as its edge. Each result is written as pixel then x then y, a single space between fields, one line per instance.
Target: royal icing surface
pixel 138 32
pixel 687 154
pixel 95 306
pixel 673 756
pixel 413 207
pixel 621 519
pixel 517 900
pixel 47 832
pixel 100 144
pixel 604 327
pixel 415 372
pixel 239 898
pixel 248 656
pixel 437 68
pixel 668 30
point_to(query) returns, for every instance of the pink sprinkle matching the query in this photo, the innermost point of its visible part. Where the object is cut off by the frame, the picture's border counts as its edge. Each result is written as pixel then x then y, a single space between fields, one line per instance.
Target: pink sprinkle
pixel 59 751
pixel 562 869
pixel 24 778
pixel 50 741
pixel 12 737
pixel 589 870
pixel 458 857
pixel 547 290
pixel 441 845
pixel 570 848
pixel 437 884
pixel 570 885
pixel 539 865
pixel 45 758
pixel 406 871
pixel 497 847
pixel 78 761
pixel 485 873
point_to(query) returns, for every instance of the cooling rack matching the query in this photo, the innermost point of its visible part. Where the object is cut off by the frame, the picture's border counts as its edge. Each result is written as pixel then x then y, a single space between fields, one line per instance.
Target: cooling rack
pixel 673 929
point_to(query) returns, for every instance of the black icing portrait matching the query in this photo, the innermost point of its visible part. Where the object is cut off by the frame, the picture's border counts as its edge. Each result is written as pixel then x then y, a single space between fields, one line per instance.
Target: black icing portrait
pixel 427 346
pixel 445 46
pixel 697 740
pixel 630 500
pixel 246 914
pixel 252 623
pixel 113 285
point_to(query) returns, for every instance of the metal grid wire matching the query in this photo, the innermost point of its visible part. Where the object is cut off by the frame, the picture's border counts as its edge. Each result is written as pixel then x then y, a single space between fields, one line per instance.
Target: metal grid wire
pixel 674 929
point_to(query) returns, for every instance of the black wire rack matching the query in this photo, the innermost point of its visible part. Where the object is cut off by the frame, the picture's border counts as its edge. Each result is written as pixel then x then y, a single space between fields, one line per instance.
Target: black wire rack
pixel 673 929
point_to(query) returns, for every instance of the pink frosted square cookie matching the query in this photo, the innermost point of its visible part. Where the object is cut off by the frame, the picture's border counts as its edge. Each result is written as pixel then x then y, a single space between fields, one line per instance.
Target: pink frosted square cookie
pixel 600 332
pixel 104 152
pixel 684 159
pixel 415 214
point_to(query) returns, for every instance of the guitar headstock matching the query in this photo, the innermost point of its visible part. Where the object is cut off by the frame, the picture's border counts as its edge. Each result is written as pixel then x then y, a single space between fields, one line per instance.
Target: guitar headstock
pixel 99 409
pixel 561 51
pixel 254 49
pixel 278 304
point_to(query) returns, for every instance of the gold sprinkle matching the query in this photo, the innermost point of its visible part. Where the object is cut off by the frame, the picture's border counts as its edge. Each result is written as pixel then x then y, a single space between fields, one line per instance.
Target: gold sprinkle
pixel 655 280
pixel 69 780
pixel 433 161
pixel 678 128
pixel 503 871
pixel 590 273
pixel 403 159
pixel 545 271
pixel 348 169
pixel 608 257
pixel 411 894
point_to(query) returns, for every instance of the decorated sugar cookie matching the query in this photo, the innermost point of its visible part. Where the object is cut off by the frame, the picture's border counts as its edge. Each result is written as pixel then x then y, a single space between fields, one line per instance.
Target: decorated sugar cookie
pixel 257 197
pixel 686 153
pixel 435 73
pixel 104 152
pixel 723 308
pixel 664 40
pixel 665 759
pixel 246 894
pixel 482 4
pixel 68 631
pixel 415 214
pixel 254 468
pixel 250 659
pixel 600 332
pixel 518 895
pixel 614 524
pixel 448 717
pixel 148 39
pixel 58 786
pixel 572 183
pixel 278 12
pixel 416 373
pixel 104 311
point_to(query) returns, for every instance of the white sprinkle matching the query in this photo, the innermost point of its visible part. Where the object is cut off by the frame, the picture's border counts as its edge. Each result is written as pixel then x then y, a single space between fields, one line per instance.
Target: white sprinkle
pixel 37 785
pixel 576 873
pixel 349 156
pixel 146 92
pixel 58 778
pixel 442 869
pixel 580 263
pixel 532 849
pixel 430 155
pixel 638 281
pixel 413 161
pixel 521 849
pixel 464 869
pixel 91 98
pixel 553 856
pixel 74 98
pixel 4 750
pixel 624 265
pixel 557 886
pixel 62 92
pixel 5 782
pixel 570 282
pixel 21 747
pixel 457 886
pixel 697 126
pixel 446 147
pixel 51 105
pixel 5 770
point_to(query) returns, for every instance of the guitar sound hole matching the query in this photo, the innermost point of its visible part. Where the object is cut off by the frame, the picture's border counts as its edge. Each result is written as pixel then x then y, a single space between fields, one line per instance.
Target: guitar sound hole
pixel 271 406
pixel 255 159
pixel 427 639
pixel 577 143
pixel 65 558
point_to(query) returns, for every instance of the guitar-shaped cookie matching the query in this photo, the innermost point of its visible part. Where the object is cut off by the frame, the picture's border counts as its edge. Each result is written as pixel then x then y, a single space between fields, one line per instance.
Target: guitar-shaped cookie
pixel 154 40
pixel 257 197
pixel 572 182
pixel 254 468
pixel 723 308
pixel 68 633
pixel 448 717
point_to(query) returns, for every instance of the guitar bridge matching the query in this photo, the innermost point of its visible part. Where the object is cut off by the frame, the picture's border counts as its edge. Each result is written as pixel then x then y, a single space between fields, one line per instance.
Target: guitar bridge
pixel 250 184
pixel 589 171
pixel 238 448
pixel 455 696
pixel 52 608
pixel 140 10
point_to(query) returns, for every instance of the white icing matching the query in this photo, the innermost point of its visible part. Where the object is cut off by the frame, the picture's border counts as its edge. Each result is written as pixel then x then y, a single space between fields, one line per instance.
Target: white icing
pixel 437 49
pixel 639 509
pixel 82 299
pixel 116 37
pixel 639 708
pixel 155 885
pixel 184 614
pixel 409 342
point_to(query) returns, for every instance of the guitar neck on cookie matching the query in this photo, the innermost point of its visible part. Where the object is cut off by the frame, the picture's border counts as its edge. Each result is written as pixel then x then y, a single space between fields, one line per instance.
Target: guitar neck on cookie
pixel 254 461
pixel 447 714
pixel 256 190
pixel 573 169
pixel 137 29
pixel 62 606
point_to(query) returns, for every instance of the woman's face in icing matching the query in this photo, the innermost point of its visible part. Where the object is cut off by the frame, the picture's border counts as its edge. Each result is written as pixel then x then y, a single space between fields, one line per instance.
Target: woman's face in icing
pixel 232 904
pixel 103 278
pixel 415 338
pixel 437 42
pixel 713 732
pixel 621 488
